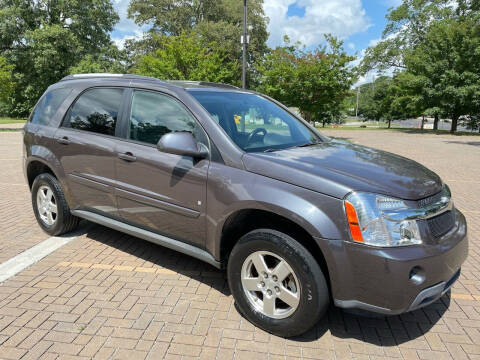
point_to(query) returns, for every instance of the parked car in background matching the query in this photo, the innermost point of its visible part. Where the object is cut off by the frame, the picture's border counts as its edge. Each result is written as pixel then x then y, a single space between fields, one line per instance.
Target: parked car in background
pixel 235 179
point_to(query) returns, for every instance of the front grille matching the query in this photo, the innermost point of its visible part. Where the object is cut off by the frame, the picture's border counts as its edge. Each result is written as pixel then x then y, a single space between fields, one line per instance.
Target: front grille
pixel 430 200
pixel 441 224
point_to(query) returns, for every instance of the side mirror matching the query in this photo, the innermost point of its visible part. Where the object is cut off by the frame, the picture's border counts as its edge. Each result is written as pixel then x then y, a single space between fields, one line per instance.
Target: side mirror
pixel 182 143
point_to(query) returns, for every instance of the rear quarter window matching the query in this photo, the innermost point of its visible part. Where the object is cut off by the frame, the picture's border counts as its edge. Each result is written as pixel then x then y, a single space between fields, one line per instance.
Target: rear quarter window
pixel 96 110
pixel 48 105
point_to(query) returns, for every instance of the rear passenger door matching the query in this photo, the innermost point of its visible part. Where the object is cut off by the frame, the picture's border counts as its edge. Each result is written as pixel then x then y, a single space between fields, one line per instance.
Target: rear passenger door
pixel 155 190
pixel 85 143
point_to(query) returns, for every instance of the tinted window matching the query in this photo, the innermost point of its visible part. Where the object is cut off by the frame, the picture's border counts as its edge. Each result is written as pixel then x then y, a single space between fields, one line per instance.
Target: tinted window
pixel 48 106
pixel 96 110
pixel 154 115
pixel 255 123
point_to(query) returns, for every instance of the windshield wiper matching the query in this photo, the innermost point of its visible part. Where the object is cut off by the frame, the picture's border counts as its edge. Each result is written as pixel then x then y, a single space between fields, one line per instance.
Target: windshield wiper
pixel 308 144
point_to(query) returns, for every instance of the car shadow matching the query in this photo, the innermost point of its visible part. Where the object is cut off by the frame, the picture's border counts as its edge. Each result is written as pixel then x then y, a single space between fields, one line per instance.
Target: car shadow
pixel 358 325
pixel 161 256
pixel 375 329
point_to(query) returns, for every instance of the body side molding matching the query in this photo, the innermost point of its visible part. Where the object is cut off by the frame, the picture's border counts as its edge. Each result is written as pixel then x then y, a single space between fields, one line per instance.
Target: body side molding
pixel 149 236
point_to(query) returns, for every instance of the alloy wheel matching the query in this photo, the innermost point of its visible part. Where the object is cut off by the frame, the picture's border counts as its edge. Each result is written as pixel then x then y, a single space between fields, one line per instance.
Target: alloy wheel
pixel 270 284
pixel 47 205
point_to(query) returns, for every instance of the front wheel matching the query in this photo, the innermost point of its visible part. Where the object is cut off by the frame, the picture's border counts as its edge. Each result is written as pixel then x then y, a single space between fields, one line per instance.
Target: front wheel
pixel 276 283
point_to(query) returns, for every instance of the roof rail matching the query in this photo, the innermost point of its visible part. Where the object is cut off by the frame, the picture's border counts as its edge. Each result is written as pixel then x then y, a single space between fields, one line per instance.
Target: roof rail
pixel 108 75
pixel 147 78
pixel 201 83
pixel 220 85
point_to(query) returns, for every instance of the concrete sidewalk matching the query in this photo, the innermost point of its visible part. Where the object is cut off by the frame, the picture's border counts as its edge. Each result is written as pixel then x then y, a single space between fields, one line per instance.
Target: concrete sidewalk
pixel 14 126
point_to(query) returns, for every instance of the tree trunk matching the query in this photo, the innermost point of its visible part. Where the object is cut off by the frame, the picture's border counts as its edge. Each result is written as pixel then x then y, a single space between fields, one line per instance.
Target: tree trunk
pixel 389 123
pixel 323 123
pixel 454 124
pixel 435 122
pixel 423 122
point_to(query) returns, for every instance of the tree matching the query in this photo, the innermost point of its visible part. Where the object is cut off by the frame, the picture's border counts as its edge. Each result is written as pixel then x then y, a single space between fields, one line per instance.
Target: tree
pixel 6 80
pixel 448 62
pixel 109 60
pixel 436 42
pixel 406 27
pixel 375 100
pixel 45 38
pixel 391 98
pixel 184 58
pixel 317 81
pixel 219 21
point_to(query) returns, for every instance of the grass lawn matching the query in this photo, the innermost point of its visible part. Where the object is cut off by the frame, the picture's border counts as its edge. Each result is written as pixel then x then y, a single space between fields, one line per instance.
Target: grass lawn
pixel 406 130
pixel 6 120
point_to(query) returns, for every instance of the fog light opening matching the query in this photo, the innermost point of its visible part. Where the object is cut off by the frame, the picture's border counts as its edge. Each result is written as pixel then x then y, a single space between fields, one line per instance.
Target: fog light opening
pixel 417 275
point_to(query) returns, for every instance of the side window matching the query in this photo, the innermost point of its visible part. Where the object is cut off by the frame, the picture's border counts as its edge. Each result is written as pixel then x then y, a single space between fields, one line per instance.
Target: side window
pixel 48 106
pixel 154 115
pixel 96 110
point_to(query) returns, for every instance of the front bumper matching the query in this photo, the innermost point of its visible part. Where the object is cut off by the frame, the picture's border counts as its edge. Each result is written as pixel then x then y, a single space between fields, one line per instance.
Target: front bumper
pixel 379 279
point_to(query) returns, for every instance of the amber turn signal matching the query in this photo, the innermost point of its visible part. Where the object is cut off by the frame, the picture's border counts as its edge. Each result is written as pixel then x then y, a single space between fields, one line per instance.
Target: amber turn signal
pixel 353 222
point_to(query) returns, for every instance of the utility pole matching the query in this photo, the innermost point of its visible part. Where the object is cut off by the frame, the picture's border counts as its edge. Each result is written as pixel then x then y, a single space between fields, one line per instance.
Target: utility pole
pixel 358 95
pixel 244 43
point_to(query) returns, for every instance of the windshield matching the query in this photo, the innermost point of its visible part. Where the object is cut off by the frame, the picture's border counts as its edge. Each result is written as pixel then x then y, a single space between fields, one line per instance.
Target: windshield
pixel 254 123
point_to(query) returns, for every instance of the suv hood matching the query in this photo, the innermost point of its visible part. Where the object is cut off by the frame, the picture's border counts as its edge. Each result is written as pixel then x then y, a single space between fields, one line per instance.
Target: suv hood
pixel 336 168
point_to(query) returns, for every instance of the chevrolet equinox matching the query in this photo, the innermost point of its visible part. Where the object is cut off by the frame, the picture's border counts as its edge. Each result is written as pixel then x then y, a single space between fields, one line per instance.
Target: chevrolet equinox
pixel 234 178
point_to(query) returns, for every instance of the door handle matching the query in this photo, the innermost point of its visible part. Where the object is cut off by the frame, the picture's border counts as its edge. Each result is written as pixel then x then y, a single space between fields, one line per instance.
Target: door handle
pixel 63 140
pixel 128 156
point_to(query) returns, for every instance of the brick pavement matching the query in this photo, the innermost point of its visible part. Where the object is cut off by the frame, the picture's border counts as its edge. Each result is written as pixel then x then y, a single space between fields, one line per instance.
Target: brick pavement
pixel 19 230
pixel 109 295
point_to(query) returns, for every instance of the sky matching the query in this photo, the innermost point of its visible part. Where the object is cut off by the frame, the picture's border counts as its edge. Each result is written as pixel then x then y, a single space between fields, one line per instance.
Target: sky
pixel 359 23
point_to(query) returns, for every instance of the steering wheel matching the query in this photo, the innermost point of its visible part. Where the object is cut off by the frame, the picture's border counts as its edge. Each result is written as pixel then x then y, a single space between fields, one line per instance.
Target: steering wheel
pixel 255 133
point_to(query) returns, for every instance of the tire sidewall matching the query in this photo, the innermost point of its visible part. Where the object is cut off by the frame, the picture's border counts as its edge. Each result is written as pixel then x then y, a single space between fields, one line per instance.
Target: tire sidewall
pixel 314 296
pixel 52 183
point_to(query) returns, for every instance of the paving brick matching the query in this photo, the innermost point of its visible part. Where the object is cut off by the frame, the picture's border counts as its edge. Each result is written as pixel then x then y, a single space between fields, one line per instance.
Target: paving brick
pixel 60 336
pixel 185 350
pixel 127 333
pixel 11 353
pixel 108 295
pixel 65 349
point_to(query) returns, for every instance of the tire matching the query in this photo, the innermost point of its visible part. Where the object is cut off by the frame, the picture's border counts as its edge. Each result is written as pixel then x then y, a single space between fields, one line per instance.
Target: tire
pixel 63 220
pixel 311 296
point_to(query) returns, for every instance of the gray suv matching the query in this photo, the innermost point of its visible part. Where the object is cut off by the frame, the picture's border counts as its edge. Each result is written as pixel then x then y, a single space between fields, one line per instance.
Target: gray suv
pixel 237 180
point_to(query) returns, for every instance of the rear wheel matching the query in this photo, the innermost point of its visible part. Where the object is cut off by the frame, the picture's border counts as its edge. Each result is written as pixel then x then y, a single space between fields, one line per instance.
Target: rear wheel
pixel 276 283
pixel 50 207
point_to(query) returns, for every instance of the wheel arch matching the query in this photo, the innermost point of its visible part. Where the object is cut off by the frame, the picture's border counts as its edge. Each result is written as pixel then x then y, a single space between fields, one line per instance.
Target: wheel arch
pixel 36 165
pixel 245 220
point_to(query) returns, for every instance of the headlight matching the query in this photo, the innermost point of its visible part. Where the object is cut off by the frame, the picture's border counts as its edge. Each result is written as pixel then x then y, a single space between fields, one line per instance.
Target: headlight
pixel 370 223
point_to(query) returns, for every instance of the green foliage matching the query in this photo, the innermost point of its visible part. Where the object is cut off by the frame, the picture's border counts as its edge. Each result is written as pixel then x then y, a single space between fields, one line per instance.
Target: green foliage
pixel 390 98
pixel 214 21
pixel 109 60
pixel 6 80
pixel 448 63
pixel 182 57
pixel 317 82
pixel 406 27
pixel 438 45
pixel 45 38
pixel 375 99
